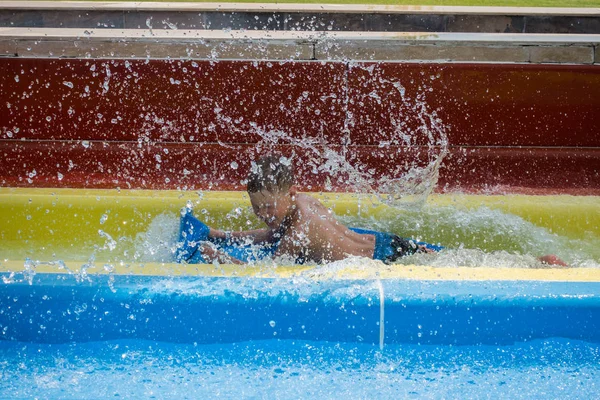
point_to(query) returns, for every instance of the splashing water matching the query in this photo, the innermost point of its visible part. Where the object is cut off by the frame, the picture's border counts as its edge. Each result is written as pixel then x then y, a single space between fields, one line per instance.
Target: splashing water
pixel 474 238
pixel 407 191
pixel 159 241
pixel 480 237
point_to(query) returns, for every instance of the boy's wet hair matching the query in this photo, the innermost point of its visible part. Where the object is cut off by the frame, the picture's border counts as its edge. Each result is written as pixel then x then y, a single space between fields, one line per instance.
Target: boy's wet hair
pixel 273 173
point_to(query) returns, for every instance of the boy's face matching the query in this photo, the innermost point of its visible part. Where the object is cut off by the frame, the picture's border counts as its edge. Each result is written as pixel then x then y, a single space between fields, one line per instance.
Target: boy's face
pixel 270 207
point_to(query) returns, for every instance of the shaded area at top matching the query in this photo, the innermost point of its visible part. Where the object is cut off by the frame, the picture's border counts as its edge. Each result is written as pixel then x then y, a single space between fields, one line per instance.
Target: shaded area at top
pixel 305 17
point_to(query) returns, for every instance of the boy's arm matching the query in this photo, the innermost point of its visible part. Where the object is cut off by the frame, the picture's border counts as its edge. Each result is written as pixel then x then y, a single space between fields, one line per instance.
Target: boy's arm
pixel 211 254
pixel 258 236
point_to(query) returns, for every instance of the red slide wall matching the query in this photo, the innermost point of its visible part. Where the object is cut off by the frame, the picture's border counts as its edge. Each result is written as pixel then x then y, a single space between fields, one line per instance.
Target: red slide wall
pixel 166 124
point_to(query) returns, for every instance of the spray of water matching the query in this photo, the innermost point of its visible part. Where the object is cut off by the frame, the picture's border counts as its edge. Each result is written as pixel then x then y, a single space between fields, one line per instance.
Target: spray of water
pixel 159 241
pixel 406 190
pixel 492 237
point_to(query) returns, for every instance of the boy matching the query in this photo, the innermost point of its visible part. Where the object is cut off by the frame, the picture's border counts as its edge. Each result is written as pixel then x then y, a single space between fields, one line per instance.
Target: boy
pixel 299 227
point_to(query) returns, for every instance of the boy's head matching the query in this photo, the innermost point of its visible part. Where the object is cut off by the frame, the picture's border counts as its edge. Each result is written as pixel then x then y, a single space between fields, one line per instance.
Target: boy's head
pixel 270 188
pixel 272 173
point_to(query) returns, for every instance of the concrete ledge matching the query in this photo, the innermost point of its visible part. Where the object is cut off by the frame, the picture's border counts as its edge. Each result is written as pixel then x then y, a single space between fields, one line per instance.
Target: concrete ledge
pixel 304 21
pixel 194 35
pixel 8 48
pixel 389 51
pixel 207 50
pixel 562 54
pixel 298 7
pixel 292 45
pixel 306 17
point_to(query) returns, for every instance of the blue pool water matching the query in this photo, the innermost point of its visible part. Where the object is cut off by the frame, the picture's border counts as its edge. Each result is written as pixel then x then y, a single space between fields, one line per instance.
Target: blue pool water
pixel 206 337
pixel 543 369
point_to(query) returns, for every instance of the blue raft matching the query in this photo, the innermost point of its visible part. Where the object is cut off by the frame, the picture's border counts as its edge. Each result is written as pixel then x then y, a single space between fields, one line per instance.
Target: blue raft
pixel 192 232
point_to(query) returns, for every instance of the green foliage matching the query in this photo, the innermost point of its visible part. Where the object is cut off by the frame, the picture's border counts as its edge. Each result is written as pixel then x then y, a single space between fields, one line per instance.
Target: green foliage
pixel 479 3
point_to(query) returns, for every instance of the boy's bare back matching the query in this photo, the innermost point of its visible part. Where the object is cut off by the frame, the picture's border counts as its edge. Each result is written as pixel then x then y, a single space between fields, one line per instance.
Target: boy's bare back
pixel 313 234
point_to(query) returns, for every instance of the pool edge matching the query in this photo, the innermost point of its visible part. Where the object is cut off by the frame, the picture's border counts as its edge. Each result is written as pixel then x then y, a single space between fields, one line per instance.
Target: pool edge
pixel 355 271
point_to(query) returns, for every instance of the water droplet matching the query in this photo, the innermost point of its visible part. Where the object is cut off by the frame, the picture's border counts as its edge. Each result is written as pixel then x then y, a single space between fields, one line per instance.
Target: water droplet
pixel 85 144
pixel 234 165
pixel 60 176
pixel 16 78
pixel 48 118
pixel 103 219
pixel 285 161
pixel 272 323
pixel 169 24
pixel 9 134
pixel 110 243
pixel 68 84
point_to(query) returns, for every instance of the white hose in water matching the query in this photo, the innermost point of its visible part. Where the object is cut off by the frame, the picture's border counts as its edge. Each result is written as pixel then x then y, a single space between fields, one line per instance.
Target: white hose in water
pixel 381 313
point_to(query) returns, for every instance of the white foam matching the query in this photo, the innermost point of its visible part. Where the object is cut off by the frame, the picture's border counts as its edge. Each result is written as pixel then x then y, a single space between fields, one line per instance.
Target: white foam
pixel 480 237
pixel 158 242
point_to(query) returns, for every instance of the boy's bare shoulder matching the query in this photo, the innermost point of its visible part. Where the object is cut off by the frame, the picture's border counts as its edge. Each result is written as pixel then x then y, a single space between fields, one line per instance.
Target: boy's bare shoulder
pixel 305 201
pixel 311 208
